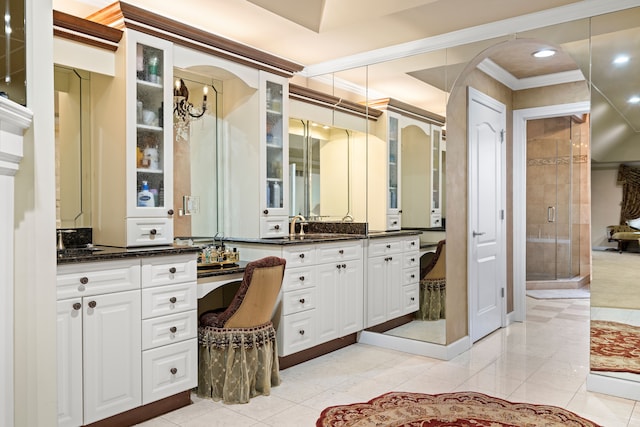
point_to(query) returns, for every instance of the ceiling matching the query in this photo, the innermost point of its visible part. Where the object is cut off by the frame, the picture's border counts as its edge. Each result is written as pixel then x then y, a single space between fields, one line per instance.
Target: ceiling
pixel 415 48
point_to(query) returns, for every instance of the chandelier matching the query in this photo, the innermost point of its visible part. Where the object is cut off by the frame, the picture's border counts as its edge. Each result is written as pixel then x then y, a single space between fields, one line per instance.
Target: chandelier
pixel 184 110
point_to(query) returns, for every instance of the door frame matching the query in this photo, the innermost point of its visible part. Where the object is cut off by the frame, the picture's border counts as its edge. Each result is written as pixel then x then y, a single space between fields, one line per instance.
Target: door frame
pixel 502 261
pixel 520 118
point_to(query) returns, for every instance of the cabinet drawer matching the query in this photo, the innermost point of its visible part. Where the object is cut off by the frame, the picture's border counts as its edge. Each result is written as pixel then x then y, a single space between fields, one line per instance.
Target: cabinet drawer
pixel 411 301
pixel 75 280
pixel 339 251
pixel 299 256
pixel 169 370
pixel 393 222
pixel 300 300
pixel 298 278
pixel 169 329
pixel 169 270
pixel 412 244
pixel 411 259
pixel 410 276
pixel 276 226
pixel 149 231
pixel 169 299
pixel 383 247
pixel 296 332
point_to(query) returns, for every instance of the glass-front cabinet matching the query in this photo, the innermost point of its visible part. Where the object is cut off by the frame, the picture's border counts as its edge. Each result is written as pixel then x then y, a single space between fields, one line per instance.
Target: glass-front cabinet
pixel 393 166
pixel 436 173
pixel 134 151
pixel 275 181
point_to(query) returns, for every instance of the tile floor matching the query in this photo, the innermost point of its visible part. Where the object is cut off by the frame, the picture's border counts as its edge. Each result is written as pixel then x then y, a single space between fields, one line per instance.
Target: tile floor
pixel 544 360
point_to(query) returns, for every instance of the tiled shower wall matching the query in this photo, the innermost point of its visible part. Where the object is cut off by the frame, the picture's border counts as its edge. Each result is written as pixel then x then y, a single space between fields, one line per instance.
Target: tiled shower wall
pixel 557 176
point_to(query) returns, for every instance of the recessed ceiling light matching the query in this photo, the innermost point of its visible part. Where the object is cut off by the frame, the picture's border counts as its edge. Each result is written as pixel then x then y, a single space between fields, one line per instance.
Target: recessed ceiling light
pixel 544 53
pixel 621 59
pixel 634 100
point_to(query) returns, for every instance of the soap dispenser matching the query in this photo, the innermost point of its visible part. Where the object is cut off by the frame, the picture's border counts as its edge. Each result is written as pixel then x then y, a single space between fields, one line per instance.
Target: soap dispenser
pixel 145 197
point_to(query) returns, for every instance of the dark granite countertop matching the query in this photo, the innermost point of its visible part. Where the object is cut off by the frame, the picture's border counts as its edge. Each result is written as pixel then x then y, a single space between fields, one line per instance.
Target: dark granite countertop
pixel 108 253
pixel 380 234
pixel 297 239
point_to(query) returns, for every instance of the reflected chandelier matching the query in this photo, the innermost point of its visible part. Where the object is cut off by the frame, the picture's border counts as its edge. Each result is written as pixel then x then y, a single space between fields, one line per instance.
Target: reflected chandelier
pixel 182 108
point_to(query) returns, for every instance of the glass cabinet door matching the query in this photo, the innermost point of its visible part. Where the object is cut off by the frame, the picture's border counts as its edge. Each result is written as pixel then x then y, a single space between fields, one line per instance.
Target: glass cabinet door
pixel 275 190
pixel 436 171
pixel 151 150
pixel 393 164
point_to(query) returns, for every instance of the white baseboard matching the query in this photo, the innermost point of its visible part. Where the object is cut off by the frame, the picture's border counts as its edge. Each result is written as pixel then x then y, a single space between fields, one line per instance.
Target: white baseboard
pixel 613 386
pixel 422 348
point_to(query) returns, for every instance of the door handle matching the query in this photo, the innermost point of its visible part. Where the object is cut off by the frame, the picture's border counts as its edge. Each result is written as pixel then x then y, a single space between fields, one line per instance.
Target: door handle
pixel 478 233
pixel 551 214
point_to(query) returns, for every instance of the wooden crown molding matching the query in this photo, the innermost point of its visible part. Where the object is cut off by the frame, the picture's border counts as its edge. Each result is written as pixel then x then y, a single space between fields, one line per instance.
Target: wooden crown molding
pixel 314 97
pixel 409 110
pixel 81 30
pixel 123 15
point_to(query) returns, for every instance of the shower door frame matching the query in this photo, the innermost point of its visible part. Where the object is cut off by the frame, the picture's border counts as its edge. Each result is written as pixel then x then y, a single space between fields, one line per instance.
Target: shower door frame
pixel 520 118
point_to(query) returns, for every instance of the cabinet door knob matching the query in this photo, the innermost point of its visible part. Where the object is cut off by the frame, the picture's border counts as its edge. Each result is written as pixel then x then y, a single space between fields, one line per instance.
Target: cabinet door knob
pixel 173 329
pixel 301 331
pixel 92 304
pixel 173 300
pixel 395 222
pixel 388 246
pixel 153 231
pixel 77 306
pixel 173 371
pixel 341 251
pixel 413 276
pixel 266 211
pixel 413 260
pixel 399 210
pixel 84 280
pixel 276 227
pixel 413 299
pixel 301 255
pixel 344 265
pixel 172 270
pixel 301 300
pixel 338 266
pixel 301 278
pixel 170 212
pixel 413 243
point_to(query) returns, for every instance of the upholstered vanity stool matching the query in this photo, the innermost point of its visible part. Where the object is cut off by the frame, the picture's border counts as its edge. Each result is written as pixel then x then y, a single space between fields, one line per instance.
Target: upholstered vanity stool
pixel 433 286
pixel 238 355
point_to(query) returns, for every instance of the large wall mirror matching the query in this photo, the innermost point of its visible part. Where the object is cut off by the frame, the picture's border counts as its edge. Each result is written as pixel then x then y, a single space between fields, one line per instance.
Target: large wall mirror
pixel 72 99
pixel 197 148
pixel 615 132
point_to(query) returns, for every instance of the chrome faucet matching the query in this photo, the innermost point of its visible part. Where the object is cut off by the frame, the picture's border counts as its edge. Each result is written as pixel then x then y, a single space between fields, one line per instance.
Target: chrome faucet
pixel 292 227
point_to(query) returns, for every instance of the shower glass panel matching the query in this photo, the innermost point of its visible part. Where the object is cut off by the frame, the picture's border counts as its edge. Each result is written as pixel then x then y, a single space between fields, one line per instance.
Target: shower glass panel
pixel 550 184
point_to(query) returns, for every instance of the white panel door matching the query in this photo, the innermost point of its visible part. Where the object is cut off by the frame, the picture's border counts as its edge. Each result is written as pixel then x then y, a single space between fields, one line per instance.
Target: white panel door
pixel 376 291
pixel 487 274
pixel 69 355
pixel 112 354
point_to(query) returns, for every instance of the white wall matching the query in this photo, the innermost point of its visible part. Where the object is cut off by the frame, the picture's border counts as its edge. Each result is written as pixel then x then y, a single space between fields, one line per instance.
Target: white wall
pixel 34 226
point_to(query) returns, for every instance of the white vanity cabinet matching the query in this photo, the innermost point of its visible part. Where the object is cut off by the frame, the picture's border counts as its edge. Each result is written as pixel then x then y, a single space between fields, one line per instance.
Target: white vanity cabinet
pixel 322 295
pixel 169 326
pixel 126 335
pixel 135 125
pixel 393 268
pixel 98 340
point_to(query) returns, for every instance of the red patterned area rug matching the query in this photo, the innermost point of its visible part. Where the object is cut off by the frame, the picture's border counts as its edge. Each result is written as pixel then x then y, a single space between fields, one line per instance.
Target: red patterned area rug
pixel 615 347
pixel 397 409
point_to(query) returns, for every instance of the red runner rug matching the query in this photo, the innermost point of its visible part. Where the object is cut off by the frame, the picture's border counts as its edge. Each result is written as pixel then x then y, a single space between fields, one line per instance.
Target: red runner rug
pixel 615 347
pixel 399 409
